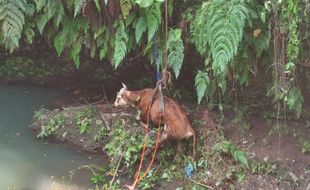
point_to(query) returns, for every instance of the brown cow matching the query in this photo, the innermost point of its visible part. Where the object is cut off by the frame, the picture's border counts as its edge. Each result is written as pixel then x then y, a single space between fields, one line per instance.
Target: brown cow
pixel 176 122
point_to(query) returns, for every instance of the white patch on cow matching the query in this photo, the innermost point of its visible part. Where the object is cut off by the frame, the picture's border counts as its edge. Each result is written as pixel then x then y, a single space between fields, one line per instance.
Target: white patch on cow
pixel 120 101
pixel 189 134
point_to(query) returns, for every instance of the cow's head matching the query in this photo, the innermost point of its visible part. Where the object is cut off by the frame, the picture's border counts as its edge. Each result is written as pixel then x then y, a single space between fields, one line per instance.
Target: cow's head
pixel 121 99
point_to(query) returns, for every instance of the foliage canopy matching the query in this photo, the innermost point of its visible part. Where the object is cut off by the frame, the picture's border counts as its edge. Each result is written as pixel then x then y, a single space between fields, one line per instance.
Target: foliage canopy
pixel 232 36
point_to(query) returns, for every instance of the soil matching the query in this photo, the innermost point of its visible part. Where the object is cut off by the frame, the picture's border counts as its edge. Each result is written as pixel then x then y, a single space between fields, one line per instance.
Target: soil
pixel 292 166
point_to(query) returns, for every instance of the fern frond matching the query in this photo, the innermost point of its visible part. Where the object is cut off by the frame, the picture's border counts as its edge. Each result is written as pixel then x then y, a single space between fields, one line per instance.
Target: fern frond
pixel 70 35
pixel 140 28
pixel 78 5
pixel 59 14
pixel 153 20
pixel 120 44
pixel 130 18
pixel 13 20
pixel 29 10
pixel 59 42
pixel 201 83
pixel 175 48
pixel 103 50
pixel 91 44
pixel 126 7
pixel 41 22
pixel 101 36
pixel 29 32
pixel 198 32
pixel 219 24
pixel 75 52
pixel 40 4
pixel 51 8
pixel 225 30
pixel 144 3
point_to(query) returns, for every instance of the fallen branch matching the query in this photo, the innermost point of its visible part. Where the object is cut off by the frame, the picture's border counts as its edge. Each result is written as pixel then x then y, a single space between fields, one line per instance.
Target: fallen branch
pixel 116 169
pixel 201 184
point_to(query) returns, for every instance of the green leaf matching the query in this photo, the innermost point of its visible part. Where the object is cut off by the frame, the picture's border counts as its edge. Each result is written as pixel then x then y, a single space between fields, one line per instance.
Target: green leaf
pixel 153 20
pixel 140 28
pixel 30 9
pixel 12 19
pixel 294 100
pixel 240 156
pixel 103 52
pixel 97 5
pixel 220 24
pixel 29 32
pixel 176 51
pixel 41 22
pixel 83 129
pixel 145 3
pixel 59 42
pixel 39 4
pixel 75 53
pixel 130 19
pixel 120 47
pixel 126 7
pixel 201 84
pixel 78 5
pixel 59 14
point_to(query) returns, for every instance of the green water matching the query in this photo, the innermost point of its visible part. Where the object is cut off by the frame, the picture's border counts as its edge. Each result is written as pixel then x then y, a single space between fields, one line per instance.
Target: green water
pixel 25 162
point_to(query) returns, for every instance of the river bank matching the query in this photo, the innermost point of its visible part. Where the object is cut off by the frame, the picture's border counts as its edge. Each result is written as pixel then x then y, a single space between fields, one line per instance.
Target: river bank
pixel 239 153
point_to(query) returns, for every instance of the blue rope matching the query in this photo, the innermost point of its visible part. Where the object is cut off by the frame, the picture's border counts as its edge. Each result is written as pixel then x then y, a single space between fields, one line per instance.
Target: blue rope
pixel 158 74
pixel 158 77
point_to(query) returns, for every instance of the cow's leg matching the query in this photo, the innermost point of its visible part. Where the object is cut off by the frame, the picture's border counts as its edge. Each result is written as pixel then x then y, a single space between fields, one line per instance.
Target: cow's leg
pixel 138 117
pixel 164 135
pixel 179 150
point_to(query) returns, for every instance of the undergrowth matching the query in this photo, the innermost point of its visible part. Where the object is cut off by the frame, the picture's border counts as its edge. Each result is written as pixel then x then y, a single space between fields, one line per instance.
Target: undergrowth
pixel 219 162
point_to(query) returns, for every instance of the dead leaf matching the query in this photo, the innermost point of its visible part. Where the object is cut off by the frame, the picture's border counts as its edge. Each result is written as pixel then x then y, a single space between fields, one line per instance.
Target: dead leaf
pixel 257 32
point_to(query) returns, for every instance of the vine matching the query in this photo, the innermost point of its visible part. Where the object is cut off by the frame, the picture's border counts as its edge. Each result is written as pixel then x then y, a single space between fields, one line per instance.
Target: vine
pixel 286 52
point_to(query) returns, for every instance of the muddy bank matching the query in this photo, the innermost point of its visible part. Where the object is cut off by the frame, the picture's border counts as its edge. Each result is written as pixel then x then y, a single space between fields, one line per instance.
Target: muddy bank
pixel 85 128
pixel 103 129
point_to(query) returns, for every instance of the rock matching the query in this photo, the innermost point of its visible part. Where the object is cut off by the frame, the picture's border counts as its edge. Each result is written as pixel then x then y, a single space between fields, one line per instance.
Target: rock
pixel 64 135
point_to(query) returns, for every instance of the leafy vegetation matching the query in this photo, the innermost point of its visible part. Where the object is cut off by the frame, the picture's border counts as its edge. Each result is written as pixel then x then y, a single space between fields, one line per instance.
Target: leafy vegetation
pixel 50 128
pixel 12 17
pixel 124 150
pixel 219 161
pixel 304 145
pixel 236 39
pixel 70 122
pixel 229 35
pixel 217 30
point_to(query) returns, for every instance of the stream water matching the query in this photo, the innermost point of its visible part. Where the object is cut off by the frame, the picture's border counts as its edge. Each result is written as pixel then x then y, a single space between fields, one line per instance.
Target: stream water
pixel 25 162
